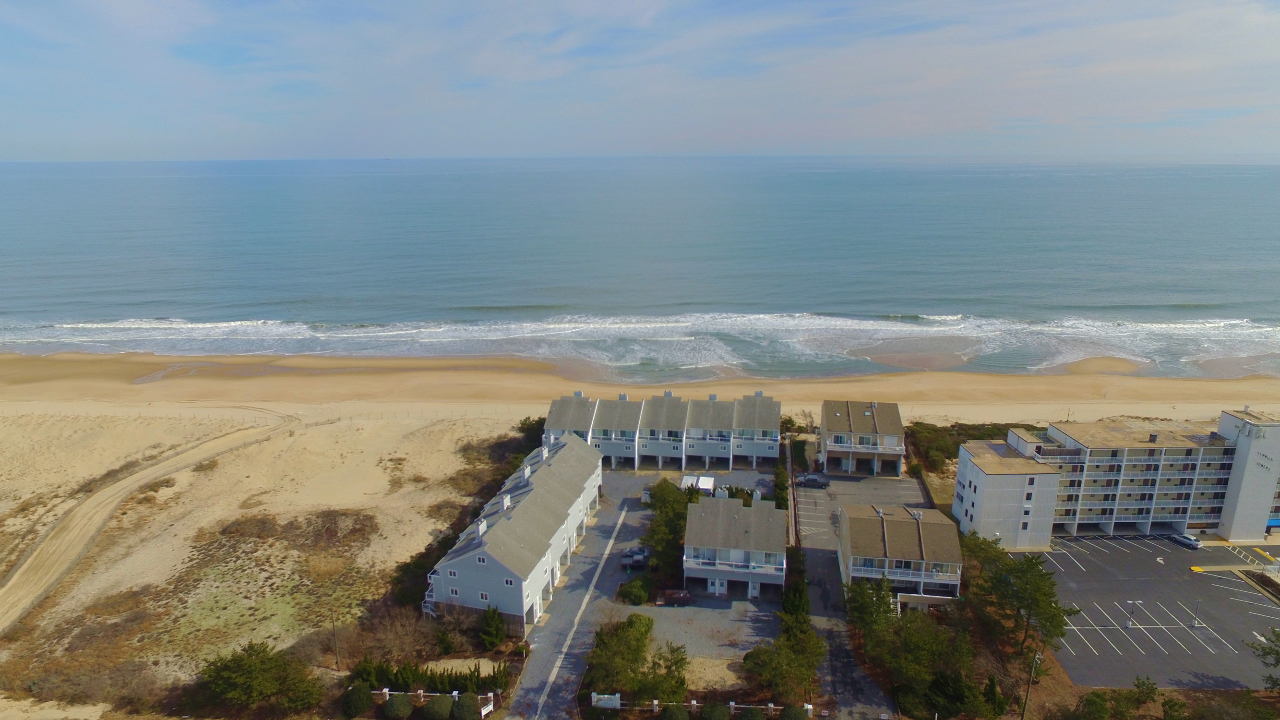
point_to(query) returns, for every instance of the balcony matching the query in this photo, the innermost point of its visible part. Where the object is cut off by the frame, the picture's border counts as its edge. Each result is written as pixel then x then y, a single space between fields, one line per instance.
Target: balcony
pixel 738 566
pixel 849 447
pixel 1204 518
pixel 1168 517
pixel 1102 475
pixel 1274 516
pixel 1172 503
pixel 1141 474
pixel 1066 504
pixel 892 574
pixel 1097 503
pixel 1133 503
pixel 1214 474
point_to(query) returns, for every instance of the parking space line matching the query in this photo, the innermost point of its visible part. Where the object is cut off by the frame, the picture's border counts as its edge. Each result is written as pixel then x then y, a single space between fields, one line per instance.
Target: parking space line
pixel 1077 562
pixel 1086 542
pixel 1082 637
pixel 1085 615
pixel 1055 562
pixel 1224 577
pixel 1269 617
pixel 1135 543
pixel 1144 632
pixel 1152 544
pixel 1265 605
pixel 1077 549
pixel 1206 627
pixel 1228 587
pixel 1063 640
pixel 1113 622
pixel 1113 542
pixel 1189 631
pixel 1167 630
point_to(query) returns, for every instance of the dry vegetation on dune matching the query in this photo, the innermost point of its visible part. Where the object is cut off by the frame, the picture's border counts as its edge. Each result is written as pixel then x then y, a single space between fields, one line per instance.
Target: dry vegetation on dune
pixel 294 541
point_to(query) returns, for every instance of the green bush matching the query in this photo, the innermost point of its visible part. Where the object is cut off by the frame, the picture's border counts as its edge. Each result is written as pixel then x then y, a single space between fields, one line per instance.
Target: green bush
pixel 439 707
pixel 493 629
pixel 1173 709
pixel 1144 690
pixel 715 711
pixel 636 591
pixel 1093 706
pixel 467 707
pixel 916 470
pixel 398 707
pixel 792 712
pixel 254 675
pixel 674 712
pixel 357 700
pixel 411 676
pixel 751 713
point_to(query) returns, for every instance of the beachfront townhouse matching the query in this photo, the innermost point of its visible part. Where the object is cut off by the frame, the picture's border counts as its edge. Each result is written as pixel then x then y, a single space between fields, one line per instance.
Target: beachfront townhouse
pixel 861 438
pixel 670 429
pixel 736 550
pixel 1122 477
pixel 916 549
pixel 514 554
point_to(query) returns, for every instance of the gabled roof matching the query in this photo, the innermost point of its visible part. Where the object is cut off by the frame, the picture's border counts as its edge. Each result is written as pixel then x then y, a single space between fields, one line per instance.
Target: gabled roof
pixel 724 523
pixel 520 535
pixel 571 412
pixel 757 412
pixel 901 533
pixel 856 416
pixel 711 414
pixel 663 412
pixel 618 415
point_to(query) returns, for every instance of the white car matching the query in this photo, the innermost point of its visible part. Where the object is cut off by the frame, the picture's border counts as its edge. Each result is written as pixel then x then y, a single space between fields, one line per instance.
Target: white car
pixel 1186 541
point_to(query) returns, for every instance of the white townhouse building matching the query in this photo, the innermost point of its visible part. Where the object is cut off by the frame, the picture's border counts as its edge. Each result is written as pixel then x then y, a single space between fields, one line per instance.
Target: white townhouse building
pixel 735 549
pixel 861 438
pixel 513 555
pixel 1121 477
pixel 917 549
pixel 670 429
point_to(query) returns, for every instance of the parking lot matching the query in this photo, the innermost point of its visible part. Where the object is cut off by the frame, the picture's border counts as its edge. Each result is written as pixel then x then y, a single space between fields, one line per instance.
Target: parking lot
pixel 1145 611
pixel 817 509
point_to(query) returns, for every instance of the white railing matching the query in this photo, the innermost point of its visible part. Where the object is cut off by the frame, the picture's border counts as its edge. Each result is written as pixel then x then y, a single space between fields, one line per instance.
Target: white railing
pixel 1066 504
pixel 860 571
pixel 1142 474
pixel 487 702
pixel 1168 517
pixel 1274 516
pixel 1172 503
pixel 724 565
pixel 1214 474
pixel 896 449
pixel 1097 503
pixel 1101 474
pixel 1134 503
pixel 1203 518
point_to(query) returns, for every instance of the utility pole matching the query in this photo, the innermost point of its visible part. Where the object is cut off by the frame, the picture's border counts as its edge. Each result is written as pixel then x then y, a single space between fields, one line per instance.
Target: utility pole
pixel 333 621
pixel 1035 661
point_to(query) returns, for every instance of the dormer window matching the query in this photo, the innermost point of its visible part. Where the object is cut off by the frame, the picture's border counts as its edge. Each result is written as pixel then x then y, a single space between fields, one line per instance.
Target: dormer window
pixel 482 559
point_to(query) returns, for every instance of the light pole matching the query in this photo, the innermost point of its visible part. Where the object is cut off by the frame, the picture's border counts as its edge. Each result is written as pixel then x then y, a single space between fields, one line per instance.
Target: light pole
pixel 1035 661
pixel 1133 605
pixel 1195 618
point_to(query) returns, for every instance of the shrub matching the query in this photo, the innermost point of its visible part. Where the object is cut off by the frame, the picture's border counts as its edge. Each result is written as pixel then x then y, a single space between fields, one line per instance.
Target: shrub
pixel 493 629
pixel 715 711
pixel 357 700
pixel 1093 706
pixel 1144 690
pixel 439 707
pixel 1173 709
pixel 398 707
pixel 467 707
pixel 674 712
pixel 792 712
pixel 751 713
pixel 254 674
pixel 916 470
pixel 636 591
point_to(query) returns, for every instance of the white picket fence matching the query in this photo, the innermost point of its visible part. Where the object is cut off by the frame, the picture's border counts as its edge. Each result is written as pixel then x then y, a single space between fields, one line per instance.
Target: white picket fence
pixel 615 702
pixel 487 702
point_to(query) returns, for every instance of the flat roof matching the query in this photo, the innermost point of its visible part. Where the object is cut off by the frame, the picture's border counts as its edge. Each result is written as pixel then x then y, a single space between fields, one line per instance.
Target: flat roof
pixel 1255 417
pixel 724 523
pixel 1137 433
pixel 858 416
pixel 1027 435
pixel 996 457
pixel 901 533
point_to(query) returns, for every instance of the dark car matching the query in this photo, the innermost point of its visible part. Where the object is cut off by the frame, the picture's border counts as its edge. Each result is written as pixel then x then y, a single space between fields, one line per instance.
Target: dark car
pixel 675 598
pixel 814 481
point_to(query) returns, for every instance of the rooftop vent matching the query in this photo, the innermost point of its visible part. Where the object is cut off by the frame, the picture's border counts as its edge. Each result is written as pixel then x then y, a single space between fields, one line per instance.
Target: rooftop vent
pixel 527 472
pixel 577 393
pixel 666 394
pixel 506 501
pixel 482 527
pixel 1154 437
pixel 622 397
pixel 866 412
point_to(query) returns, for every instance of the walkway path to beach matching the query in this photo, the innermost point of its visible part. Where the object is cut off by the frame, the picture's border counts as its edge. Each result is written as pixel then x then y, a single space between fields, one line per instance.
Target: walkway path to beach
pixel 38 573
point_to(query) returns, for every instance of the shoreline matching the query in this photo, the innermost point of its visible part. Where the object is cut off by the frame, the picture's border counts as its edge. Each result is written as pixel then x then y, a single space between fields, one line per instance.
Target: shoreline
pixel 505 387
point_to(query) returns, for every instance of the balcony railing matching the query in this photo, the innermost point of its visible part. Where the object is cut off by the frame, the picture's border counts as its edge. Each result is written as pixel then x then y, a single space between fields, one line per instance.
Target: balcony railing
pixel 1168 517
pixel 1067 504
pixel 725 565
pixel 859 571
pixel 1134 503
pixel 1097 503
pixel 1101 474
pixel 1204 518
pixel 1274 516
pixel 850 447
pixel 1172 503
pixel 1214 474
pixel 1141 474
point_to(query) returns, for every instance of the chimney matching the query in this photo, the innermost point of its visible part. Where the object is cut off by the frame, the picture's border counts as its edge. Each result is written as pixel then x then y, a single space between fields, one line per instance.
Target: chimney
pixel 759 393
pixel 1154 437
pixel 712 397
pixel 527 472
pixel 622 397
pixel 506 501
pixel 666 394
pixel 482 527
pixel 577 393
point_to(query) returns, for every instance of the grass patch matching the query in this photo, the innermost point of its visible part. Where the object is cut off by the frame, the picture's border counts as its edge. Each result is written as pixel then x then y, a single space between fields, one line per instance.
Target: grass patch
pixel 205 466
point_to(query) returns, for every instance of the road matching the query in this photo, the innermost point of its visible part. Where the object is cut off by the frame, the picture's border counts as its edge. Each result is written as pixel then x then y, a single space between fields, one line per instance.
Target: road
pixel 55 554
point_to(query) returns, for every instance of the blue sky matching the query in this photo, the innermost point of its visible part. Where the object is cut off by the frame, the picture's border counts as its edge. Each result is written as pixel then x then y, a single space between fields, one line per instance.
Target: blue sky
pixel 198 79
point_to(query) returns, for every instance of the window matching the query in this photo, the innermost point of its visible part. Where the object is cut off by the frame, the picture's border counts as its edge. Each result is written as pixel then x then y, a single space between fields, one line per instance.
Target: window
pixel 482 560
pixel 770 447
pixel 628 447
pixel 866 440
pixel 453 592
pixel 596 445
pixel 839 439
pixel 1026 512
pixel 485 596
pixel 1031 481
pixel 1024 526
pixel 453 573
pixel 643 446
pixel 510 582
pixel 1028 496
pixel 724 448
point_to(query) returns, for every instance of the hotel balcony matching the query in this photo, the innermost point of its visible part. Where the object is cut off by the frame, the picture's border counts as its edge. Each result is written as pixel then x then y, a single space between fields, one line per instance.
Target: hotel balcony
pixel 892 574
pixel 741 566
pixel 849 447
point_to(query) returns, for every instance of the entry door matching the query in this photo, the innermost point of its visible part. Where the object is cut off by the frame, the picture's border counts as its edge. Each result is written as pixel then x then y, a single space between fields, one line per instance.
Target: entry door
pixel 722 587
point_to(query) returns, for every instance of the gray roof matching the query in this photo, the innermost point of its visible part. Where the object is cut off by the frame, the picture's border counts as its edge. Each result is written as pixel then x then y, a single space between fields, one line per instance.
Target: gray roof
pixel 757 412
pixel 571 413
pixel 724 523
pixel 664 413
pixel 711 414
pixel 857 416
pixel 618 415
pixel 519 536
pixel 899 535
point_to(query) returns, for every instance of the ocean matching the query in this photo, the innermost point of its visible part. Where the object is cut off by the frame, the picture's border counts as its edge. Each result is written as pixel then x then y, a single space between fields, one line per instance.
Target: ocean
pixel 651 269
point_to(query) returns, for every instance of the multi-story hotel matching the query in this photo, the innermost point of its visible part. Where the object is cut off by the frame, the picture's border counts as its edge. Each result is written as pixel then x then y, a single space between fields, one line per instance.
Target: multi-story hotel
pixel 670 429
pixel 1121 477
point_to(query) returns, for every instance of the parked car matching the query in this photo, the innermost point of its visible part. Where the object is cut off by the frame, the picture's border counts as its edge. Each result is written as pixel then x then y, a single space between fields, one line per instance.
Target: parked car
pixel 675 598
pixel 814 481
pixel 1188 541
pixel 636 558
